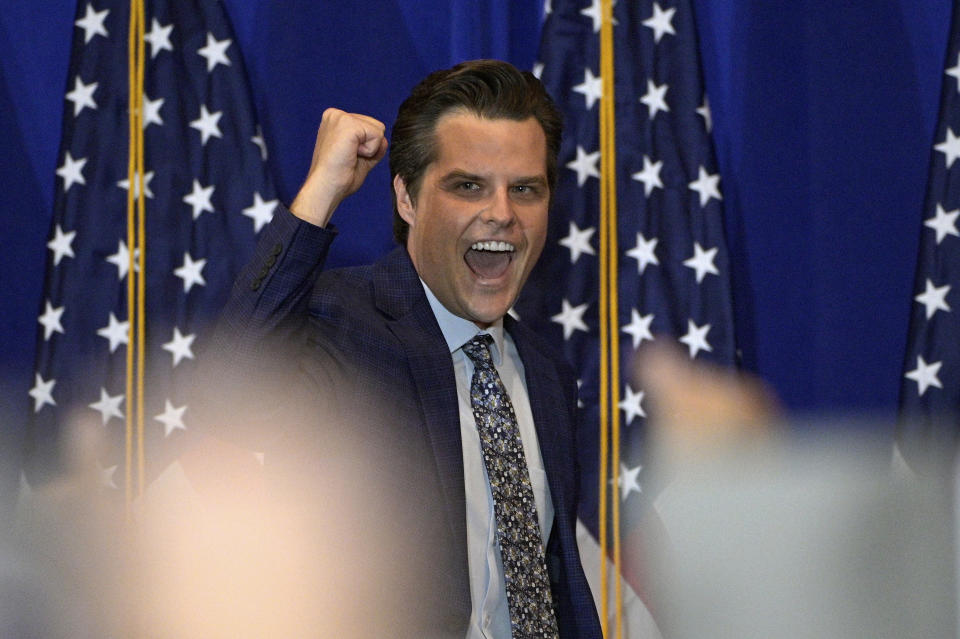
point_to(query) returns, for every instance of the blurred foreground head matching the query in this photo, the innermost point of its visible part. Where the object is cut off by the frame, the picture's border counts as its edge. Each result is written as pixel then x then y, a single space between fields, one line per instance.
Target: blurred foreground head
pixel 318 540
pixel 776 535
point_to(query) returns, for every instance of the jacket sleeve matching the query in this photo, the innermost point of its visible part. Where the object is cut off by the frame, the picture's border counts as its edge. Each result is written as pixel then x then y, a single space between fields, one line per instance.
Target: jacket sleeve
pixel 270 295
pixel 247 379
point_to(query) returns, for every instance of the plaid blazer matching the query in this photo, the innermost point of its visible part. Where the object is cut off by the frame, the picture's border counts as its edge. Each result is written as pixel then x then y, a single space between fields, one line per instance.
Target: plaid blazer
pixel 373 326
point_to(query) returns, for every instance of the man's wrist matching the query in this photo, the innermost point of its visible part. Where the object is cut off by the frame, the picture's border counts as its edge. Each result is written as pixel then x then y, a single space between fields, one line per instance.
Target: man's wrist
pixel 313 209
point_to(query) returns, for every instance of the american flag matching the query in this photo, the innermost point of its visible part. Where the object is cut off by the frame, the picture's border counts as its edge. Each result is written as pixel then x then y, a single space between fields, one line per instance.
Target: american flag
pixel 673 266
pixel 208 194
pixel 930 388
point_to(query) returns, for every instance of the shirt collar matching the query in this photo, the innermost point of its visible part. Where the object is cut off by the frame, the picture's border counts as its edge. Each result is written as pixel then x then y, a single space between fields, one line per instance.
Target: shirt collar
pixel 457 331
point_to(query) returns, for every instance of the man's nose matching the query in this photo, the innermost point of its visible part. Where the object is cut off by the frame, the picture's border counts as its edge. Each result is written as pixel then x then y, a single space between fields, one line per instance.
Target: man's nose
pixel 500 210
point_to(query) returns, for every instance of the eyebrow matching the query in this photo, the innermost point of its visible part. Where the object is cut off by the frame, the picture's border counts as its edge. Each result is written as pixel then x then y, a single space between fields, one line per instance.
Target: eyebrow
pixel 457 174
pixel 532 179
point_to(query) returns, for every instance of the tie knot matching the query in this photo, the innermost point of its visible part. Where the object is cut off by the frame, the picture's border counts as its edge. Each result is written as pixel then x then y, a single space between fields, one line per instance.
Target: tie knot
pixel 478 349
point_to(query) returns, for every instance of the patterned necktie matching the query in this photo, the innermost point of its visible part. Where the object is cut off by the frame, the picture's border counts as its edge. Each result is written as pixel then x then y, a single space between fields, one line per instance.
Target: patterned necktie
pixel 518 529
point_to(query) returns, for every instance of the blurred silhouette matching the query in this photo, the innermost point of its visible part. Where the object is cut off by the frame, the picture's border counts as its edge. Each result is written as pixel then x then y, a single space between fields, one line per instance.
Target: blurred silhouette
pixel 771 534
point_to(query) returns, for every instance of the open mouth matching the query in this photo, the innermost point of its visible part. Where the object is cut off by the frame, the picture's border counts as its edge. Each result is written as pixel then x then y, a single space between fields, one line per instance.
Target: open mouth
pixel 490 259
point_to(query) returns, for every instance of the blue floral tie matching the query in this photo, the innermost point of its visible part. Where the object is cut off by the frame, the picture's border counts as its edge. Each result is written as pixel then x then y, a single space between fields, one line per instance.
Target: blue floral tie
pixel 518 529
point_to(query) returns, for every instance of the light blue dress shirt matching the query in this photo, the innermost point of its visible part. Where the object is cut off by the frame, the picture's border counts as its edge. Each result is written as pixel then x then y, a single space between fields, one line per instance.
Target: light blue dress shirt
pixel 490 618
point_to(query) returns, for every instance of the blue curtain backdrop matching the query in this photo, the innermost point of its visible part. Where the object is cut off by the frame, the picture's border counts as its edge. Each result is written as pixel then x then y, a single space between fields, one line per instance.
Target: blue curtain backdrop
pixel 824 119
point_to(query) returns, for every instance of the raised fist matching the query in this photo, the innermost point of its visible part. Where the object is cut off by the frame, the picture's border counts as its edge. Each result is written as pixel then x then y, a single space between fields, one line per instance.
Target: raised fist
pixel 348 146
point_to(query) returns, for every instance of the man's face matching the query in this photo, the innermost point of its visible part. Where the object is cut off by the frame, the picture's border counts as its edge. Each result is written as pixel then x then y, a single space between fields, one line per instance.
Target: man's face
pixel 480 219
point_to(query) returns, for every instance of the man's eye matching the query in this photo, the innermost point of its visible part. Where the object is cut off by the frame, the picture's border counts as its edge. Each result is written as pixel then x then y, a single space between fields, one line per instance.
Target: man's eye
pixel 525 189
pixel 468 186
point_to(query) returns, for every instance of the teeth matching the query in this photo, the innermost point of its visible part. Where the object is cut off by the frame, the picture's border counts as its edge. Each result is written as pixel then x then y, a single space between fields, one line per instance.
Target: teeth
pixel 493 246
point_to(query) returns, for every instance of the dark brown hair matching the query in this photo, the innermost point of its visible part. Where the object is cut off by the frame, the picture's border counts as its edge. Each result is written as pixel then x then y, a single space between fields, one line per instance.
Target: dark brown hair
pixel 488 88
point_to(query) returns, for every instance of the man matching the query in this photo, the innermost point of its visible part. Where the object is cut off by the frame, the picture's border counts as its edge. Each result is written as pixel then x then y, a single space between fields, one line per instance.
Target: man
pixel 490 421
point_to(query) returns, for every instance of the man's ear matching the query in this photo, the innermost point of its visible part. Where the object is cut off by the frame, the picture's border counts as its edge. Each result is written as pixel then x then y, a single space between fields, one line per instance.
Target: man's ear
pixel 404 202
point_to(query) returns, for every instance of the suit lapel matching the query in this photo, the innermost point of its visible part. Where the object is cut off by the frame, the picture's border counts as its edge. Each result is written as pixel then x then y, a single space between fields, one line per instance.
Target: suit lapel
pixel 399 294
pixel 547 404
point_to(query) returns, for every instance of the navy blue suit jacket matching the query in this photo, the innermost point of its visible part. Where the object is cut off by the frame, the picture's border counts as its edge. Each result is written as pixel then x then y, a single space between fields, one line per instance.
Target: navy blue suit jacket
pixel 373 326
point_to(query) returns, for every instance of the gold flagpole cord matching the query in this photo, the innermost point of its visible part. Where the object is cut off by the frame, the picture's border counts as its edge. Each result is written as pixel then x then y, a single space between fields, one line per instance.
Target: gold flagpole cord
pixel 142 254
pixel 131 244
pixel 136 269
pixel 609 328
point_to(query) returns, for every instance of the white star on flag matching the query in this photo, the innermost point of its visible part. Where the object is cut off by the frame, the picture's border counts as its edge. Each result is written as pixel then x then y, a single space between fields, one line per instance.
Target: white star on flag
pixel 158 37
pixel 643 252
pixel 696 338
pixel 950 148
pixel 595 14
pixel 151 111
pixel 115 332
pixel 704 111
pixel 125 184
pixel 585 165
pixel 955 72
pixel 108 406
pixel 261 143
pixel 656 98
pixel 171 418
pixel 199 198
pixel 106 476
pixel 571 318
pixel 591 88
pixel 207 125
pixel 121 259
pixel 260 212
pixel 925 375
pixel 537 70
pixel 707 186
pixel 51 320
pixel 627 481
pixel 82 96
pixel 179 346
pixel 944 223
pixel 71 171
pixel 42 393
pixel 215 52
pixel 61 244
pixel 191 272
pixel 934 298
pixel 578 241
pixel 702 261
pixel 92 23
pixel 660 22
pixel 650 175
pixel 639 327
pixel 631 404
